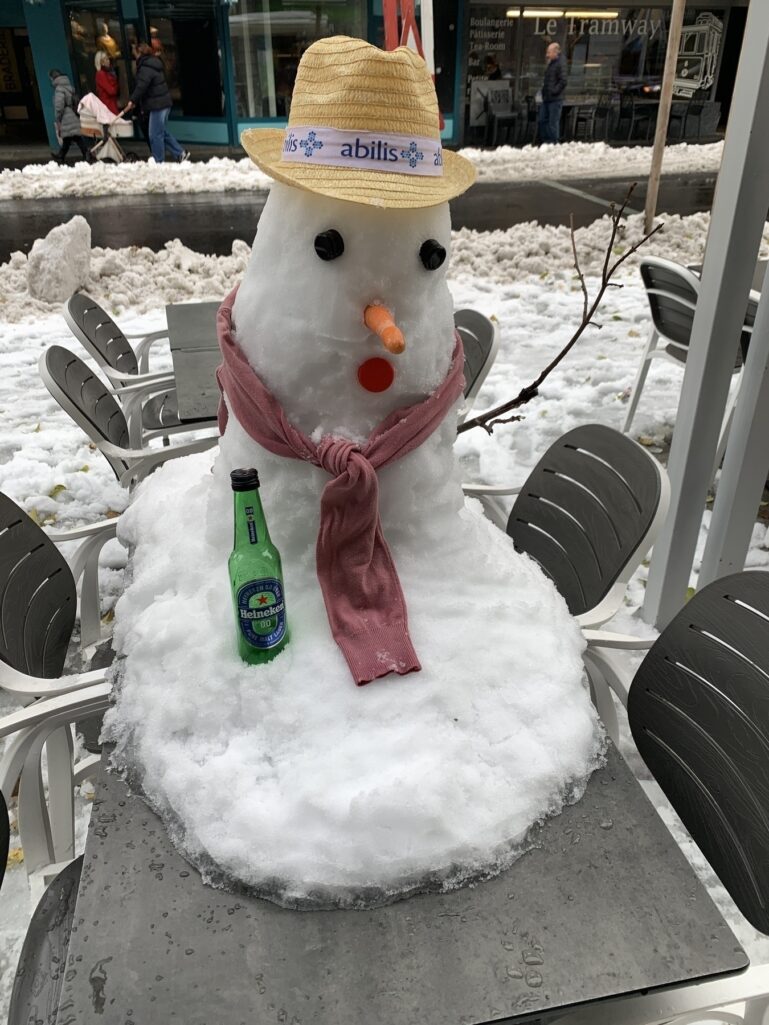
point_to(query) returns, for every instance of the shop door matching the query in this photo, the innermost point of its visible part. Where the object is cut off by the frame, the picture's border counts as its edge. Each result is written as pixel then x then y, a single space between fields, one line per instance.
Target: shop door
pixel 21 114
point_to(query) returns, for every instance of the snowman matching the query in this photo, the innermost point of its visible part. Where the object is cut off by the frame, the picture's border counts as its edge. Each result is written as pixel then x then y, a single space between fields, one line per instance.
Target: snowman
pixel 341 380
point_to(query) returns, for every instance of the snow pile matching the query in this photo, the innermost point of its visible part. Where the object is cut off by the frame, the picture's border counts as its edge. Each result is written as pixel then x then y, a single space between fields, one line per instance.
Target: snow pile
pixel 410 783
pixel 222 174
pixel 589 160
pixel 138 279
pixel 59 264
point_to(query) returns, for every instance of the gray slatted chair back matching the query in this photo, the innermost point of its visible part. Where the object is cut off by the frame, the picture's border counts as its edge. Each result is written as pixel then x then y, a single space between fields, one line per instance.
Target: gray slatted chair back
pixel 672 292
pixel 5 836
pixel 88 401
pixel 100 335
pixel 42 964
pixel 477 334
pixel 699 713
pixel 37 596
pixel 585 508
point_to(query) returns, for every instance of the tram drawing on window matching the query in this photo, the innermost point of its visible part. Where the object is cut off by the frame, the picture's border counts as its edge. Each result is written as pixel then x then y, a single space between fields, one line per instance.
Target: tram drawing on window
pixel 698 55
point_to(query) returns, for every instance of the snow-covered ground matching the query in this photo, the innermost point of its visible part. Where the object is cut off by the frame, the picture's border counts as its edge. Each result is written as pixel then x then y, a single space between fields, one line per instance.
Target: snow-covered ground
pixel 523 277
pixel 222 174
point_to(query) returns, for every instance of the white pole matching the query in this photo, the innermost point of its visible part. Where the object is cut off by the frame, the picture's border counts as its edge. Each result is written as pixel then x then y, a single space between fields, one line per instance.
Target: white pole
pixel 737 219
pixel 663 113
pixel 746 460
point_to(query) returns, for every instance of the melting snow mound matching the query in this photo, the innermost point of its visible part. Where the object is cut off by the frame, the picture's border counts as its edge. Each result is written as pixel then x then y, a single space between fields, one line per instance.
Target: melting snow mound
pixel 289 780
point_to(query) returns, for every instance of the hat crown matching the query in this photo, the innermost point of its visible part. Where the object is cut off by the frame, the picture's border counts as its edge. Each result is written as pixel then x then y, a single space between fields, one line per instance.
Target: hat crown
pixel 349 84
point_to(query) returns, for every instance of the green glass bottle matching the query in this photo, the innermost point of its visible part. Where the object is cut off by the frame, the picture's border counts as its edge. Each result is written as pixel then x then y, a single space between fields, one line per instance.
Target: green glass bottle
pixel 256 576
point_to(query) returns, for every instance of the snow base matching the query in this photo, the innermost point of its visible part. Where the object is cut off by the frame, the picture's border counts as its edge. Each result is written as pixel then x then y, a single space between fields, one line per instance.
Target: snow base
pixel 292 783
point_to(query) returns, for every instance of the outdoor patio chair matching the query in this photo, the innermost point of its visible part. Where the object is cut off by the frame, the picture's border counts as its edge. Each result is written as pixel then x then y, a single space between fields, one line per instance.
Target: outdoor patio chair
pixel 148 399
pixel 46 814
pixel 480 340
pixel 698 709
pixel 672 291
pixel 84 396
pixel 38 599
pixel 588 513
pixel 637 118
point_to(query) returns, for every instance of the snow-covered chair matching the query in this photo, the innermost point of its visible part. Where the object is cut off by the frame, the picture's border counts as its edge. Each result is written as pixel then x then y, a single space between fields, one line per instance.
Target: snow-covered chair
pixel 92 406
pixel 698 708
pixel 672 291
pixel 148 399
pixel 588 513
pixel 480 339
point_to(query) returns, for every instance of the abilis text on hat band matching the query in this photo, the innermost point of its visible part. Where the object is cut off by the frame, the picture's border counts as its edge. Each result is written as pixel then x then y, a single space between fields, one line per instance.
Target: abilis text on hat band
pixel 370 151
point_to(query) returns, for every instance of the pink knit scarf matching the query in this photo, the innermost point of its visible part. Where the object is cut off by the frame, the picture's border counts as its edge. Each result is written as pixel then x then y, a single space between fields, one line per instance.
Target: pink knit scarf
pixel 364 601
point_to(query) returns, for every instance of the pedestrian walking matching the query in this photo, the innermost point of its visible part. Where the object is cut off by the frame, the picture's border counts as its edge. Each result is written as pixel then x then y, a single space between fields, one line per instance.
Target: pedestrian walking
pixel 67 122
pixel 553 88
pixel 151 92
pixel 106 82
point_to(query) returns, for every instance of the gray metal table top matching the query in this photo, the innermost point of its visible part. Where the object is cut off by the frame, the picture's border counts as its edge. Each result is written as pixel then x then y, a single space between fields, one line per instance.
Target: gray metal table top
pixel 195 354
pixel 605 904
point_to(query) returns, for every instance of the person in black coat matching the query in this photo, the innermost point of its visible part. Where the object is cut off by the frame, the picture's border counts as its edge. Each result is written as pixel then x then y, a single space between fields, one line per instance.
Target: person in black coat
pixel 553 89
pixel 152 94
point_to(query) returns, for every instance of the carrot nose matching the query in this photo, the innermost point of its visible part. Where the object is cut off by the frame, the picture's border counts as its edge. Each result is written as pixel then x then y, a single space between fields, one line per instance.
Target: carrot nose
pixel 379 320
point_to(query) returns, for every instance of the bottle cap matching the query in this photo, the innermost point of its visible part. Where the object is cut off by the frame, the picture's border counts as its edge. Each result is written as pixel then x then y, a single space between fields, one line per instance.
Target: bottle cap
pixel 244 479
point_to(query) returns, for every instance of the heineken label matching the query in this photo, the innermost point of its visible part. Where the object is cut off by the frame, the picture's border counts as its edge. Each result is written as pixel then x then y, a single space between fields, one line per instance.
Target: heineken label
pixel 262 612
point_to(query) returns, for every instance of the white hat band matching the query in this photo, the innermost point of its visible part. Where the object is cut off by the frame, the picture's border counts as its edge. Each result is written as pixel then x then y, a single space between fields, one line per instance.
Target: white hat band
pixel 368 151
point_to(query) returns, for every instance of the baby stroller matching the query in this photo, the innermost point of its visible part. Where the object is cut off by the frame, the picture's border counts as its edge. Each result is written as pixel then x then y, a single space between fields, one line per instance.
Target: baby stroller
pixel 98 122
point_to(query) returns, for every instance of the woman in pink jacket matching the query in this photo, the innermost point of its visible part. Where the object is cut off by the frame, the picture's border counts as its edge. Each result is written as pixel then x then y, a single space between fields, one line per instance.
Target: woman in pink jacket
pixel 107 85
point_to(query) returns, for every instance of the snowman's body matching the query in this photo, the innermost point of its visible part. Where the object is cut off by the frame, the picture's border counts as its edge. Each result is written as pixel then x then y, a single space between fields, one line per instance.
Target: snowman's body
pixel 330 792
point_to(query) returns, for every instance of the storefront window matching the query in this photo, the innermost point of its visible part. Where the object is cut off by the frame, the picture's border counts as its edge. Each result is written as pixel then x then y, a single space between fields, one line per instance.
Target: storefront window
pixel 185 38
pixel 94 27
pixel 268 39
pixel 610 50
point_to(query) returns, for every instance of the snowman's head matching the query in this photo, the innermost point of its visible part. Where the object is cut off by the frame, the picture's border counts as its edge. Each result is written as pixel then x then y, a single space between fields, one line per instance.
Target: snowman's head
pixel 304 318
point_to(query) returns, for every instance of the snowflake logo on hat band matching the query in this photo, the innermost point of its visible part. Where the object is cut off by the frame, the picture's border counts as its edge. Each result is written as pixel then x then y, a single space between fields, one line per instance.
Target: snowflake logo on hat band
pixel 412 154
pixel 310 144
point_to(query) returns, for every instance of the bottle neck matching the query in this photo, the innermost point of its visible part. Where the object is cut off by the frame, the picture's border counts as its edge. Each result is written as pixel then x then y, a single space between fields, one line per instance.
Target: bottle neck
pixel 250 524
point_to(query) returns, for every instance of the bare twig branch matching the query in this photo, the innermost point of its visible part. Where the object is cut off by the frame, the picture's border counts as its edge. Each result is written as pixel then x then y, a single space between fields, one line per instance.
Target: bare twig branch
pixel 492 417
pixel 580 275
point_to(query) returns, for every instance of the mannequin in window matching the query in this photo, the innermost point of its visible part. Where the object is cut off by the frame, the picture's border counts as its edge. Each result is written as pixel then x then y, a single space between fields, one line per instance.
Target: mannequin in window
pixel 107 43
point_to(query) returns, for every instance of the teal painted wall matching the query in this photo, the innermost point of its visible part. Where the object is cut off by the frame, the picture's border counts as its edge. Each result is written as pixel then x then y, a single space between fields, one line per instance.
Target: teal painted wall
pixel 47 36
pixel 187 129
pixel 11 13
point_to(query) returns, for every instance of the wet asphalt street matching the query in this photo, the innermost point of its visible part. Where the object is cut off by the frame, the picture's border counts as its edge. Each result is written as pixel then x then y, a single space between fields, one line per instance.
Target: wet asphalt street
pixel 209 222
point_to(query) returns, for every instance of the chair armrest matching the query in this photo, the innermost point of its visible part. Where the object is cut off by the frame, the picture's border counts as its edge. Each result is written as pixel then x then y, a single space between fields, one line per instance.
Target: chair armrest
pixel 140 389
pixel 62 708
pixel 143 348
pixel 143 461
pixel 625 642
pixel 475 490
pixel 106 527
pixel 118 379
pixel 26 688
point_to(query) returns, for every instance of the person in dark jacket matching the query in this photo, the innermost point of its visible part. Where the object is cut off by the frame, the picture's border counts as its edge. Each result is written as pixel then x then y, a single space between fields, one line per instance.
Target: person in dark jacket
pixel 65 115
pixel 553 89
pixel 151 92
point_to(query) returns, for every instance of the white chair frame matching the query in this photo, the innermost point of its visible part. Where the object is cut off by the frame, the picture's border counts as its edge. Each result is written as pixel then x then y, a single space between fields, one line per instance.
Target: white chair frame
pixel 47 821
pixel 141 461
pixel 651 352
pixel 604 672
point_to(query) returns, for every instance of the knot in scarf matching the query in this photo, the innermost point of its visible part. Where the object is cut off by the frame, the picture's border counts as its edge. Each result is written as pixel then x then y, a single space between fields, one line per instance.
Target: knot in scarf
pixel 357 576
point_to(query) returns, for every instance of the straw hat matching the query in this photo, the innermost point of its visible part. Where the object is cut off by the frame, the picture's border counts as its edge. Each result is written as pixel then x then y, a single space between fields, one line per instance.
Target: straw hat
pixel 352 99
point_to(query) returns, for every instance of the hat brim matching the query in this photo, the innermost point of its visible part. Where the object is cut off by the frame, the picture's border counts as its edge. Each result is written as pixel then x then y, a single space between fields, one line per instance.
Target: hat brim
pixel 373 188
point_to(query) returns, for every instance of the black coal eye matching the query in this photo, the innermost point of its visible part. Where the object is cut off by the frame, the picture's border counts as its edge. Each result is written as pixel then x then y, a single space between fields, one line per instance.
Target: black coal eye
pixel 329 244
pixel 432 254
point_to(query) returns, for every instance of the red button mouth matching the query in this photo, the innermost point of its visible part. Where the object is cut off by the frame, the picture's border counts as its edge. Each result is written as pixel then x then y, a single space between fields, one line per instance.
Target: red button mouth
pixel 376 374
